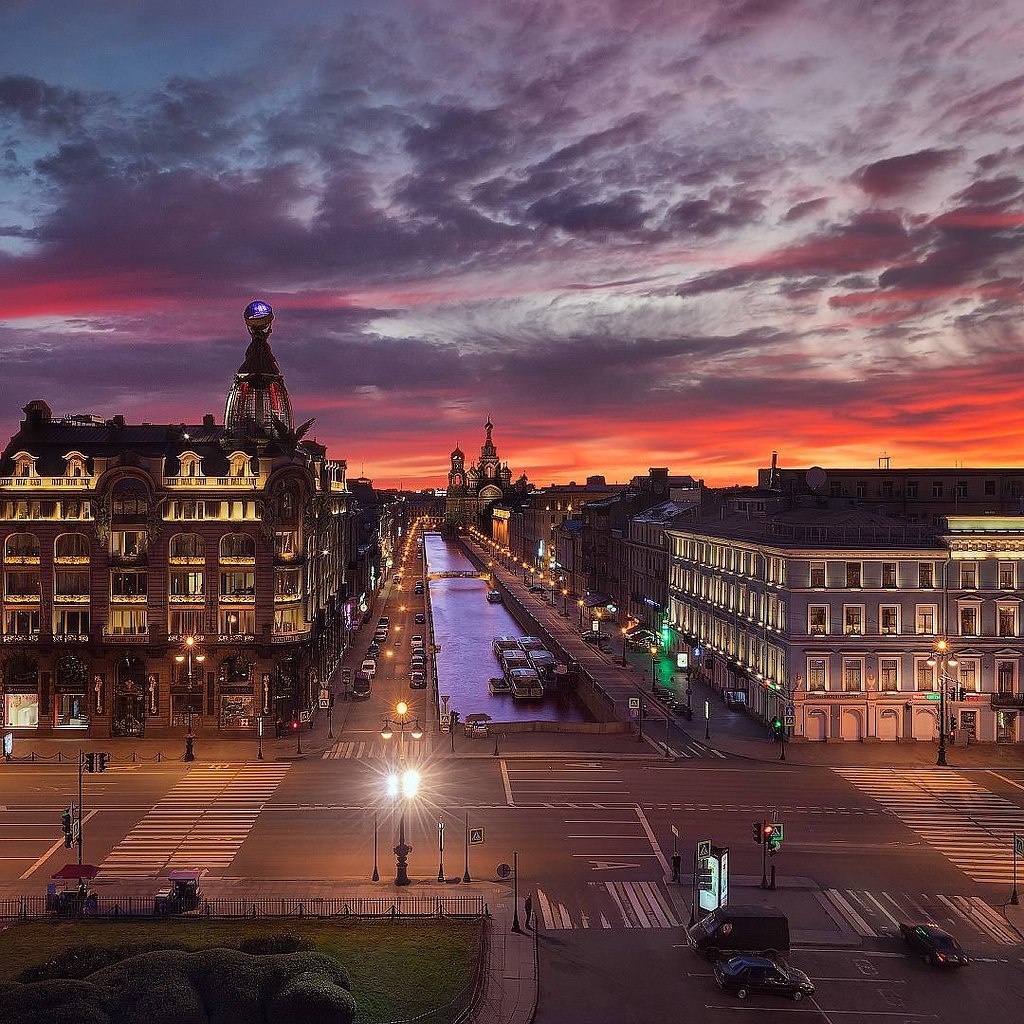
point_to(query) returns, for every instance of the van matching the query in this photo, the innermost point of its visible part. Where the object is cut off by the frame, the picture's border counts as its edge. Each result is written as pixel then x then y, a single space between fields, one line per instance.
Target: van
pixel 731 930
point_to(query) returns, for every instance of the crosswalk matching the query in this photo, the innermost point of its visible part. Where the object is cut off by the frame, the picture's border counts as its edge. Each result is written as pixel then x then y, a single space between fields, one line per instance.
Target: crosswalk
pixel 613 905
pixel 201 823
pixel 877 914
pixel 969 825
pixel 359 750
pixel 695 749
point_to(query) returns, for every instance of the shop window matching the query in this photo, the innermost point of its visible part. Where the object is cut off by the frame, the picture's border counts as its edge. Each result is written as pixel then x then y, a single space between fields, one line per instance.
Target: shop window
pixel 21 710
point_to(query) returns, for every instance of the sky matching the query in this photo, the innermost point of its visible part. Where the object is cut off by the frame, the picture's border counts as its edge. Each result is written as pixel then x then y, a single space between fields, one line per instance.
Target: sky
pixel 633 233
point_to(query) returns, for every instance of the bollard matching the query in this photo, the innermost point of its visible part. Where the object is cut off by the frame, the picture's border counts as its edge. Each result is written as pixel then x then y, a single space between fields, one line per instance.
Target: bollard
pixel 159 756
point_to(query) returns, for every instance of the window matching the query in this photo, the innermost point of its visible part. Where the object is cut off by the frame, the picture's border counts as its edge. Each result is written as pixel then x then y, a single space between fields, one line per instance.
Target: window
pixel 889 574
pixel 1006 576
pixel 817 618
pixel 889 619
pixel 191 465
pixel 836 488
pixel 287 620
pixel 238 622
pixel 886 488
pixel 128 583
pixel 287 583
pixel 990 488
pixel 817 674
pixel 130 499
pixel 21 622
pixel 1006 618
pixel 926 575
pixel 853 619
pixel 187 583
pixel 237 545
pixel 853 674
pixel 285 544
pixel 862 489
pixel 969 616
pixel 818 574
pixel 936 488
pixel 186 545
pixel 1004 676
pixel 127 622
pixel 237 584
pixel 925 619
pixel 961 489
pixel 853 574
pixel 22 584
pixel 71 583
pixel 911 488
pixel 71 622
pixel 924 674
pixel 71 546
pixel 888 673
pixel 21 545
pixel 128 543
pixel 969 675
pixel 187 622
pixel 968 575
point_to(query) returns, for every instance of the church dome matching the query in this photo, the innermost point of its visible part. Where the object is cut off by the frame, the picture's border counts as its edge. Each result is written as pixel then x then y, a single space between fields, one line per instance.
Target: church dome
pixel 258 404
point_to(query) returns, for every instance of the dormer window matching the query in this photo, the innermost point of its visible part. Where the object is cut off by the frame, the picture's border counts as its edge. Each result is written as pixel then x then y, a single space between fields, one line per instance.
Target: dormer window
pixel 74 465
pixel 24 465
pixel 191 465
pixel 239 465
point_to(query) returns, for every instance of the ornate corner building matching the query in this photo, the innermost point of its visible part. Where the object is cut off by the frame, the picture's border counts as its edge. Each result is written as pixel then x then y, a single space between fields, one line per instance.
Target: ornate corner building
pixel 472 493
pixel 157 575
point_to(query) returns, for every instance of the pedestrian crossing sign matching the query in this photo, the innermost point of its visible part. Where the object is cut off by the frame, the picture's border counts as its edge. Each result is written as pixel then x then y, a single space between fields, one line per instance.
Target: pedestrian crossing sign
pixel 1018 845
pixel 704 848
pixel 476 835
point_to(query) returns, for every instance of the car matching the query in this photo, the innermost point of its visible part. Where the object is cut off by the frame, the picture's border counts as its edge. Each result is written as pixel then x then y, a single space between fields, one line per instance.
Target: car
pixel 395 578
pixel 361 685
pixel 735 700
pixel 535 589
pixel 416 641
pixel 420 619
pixel 417 680
pixel 372 651
pixel 369 666
pixel 935 944
pixel 417 665
pixel 746 974
pixel 383 621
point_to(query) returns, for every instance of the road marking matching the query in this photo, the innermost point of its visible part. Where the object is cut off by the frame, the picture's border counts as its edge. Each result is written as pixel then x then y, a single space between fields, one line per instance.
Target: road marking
pixel 653 841
pixel 1009 782
pixel 853 918
pixel 508 785
pixel 610 865
pixel 545 909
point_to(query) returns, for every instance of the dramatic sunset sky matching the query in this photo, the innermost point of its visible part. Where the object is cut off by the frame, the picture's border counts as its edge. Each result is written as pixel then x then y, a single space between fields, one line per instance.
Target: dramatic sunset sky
pixel 633 232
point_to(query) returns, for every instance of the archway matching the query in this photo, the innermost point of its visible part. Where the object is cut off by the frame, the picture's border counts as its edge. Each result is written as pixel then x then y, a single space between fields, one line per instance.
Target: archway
pixel 128 714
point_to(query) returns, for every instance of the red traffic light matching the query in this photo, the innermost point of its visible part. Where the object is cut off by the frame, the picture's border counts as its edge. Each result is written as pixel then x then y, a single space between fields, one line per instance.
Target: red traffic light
pixel 293 724
pixel 768 831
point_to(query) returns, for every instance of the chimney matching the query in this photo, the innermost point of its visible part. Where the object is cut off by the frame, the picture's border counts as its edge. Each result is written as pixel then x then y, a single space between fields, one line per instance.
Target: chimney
pixel 117 422
pixel 37 412
pixel 772 477
pixel 208 420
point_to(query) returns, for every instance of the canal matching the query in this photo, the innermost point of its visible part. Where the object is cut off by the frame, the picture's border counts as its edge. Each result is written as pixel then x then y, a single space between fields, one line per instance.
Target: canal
pixel 464 624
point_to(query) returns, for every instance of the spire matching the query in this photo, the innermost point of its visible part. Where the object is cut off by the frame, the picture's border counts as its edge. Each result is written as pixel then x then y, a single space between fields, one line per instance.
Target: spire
pixel 258 404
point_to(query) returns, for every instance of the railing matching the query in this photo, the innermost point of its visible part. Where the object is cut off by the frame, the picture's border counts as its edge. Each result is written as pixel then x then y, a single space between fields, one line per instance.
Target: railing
pixel 1007 700
pixel 359 907
pixel 290 638
pixel 126 638
pixel 250 483
pixel 78 482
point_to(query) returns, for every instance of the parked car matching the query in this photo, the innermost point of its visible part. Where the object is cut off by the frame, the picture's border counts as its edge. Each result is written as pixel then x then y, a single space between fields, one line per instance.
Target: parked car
pixel 383 621
pixel 361 685
pixel 535 589
pixel 416 641
pixel 417 680
pixel 420 619
pixel 735 700
pixel 369 667
pixel 746 974
pixel 762 931
pixel 372 651
pixel 935 944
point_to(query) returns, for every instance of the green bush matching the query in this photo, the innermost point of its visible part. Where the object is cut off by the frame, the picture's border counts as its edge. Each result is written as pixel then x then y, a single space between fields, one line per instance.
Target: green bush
pixel 81 961
pixel 280 942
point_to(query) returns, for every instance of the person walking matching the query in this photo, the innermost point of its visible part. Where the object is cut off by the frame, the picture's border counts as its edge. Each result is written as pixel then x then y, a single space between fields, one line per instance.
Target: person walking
pixel 528 907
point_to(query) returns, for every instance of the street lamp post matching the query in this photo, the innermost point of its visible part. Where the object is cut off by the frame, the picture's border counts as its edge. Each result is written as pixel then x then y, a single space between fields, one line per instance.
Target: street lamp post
pixel 579 605
pixel 565 603
pixel 654 667
pixel 403 785
pixel 942 659
pixel 440 851
pixel 190 655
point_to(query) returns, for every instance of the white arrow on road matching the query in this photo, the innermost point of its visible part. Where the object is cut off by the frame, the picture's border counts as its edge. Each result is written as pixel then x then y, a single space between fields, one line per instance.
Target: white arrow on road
pixel 610 865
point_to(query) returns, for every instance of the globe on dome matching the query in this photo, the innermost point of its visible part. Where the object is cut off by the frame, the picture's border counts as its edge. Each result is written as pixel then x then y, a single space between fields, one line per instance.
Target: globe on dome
pixel 258 313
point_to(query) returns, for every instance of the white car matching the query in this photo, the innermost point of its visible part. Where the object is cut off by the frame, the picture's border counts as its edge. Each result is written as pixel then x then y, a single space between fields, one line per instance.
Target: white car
pixel 417 680
pixel 368 667
pixel 416 641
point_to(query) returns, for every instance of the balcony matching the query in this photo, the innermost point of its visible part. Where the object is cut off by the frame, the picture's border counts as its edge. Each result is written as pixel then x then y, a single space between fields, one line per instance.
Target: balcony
pixel 238 597
pixel 186 598
pixel 239 483
pixel 296 636
pixel 71 598
pixel 288 598
pixel 76 482
pixel 70 638
pixel 20 638
pixel 125 638
pixel 1007 700
pixel 129 598
pixel 68 559
pixel 21 559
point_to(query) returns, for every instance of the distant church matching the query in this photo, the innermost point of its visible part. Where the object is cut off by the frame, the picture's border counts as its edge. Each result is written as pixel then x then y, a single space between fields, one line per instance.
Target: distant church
pixel 473 492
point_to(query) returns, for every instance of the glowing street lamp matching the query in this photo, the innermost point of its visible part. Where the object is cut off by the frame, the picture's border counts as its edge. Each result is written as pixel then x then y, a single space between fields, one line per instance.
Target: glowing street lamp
pixel 191 655
pixel 942 658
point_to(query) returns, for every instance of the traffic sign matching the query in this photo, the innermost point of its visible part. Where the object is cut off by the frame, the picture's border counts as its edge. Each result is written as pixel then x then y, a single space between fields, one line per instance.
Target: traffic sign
pixel 634 703
pixel 346 675
pixel 325 703
pixel 675 831
pixel 476 835
pixel 704 848
pixel 789 720
pixel 503 870
pixel 1018 845
pixel 790 711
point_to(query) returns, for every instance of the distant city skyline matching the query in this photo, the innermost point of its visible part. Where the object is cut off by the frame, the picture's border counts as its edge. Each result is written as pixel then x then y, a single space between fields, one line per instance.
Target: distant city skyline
pixel 631 234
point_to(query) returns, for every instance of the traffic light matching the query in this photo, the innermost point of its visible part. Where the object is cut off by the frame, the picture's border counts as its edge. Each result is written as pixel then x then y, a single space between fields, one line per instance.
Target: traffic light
pixel 768 832
pixel 65 824
pixel 89 761
pixel 454 718
pixel 756 828
pixel 102 760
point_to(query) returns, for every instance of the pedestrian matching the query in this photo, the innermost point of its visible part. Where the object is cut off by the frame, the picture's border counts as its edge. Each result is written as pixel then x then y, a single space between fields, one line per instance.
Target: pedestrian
pixel 676 862
pixel 528 907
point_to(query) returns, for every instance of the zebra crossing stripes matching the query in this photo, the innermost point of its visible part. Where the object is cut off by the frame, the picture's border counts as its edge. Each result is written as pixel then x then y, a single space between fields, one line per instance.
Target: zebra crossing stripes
pixel 359 750
pixel 969 825
pixel 878 914
pixel 200 823
pixel 615 905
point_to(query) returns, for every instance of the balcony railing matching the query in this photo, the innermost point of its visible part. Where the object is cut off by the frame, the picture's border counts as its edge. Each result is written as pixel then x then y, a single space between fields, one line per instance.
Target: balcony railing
pixel 187 598
pixel 22 598
pixel 71 598
pixel 77 482
pixel 126 638
pixel 296 636
pixel 1007 700
pixel 249 483
pixel 21 559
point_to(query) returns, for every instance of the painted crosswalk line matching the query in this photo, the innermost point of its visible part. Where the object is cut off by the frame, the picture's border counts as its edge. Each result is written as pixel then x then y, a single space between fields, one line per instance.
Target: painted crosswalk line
pixel 878 914
pixel 969 825
pixel 359 750
pixel 643 904
pixel 201 823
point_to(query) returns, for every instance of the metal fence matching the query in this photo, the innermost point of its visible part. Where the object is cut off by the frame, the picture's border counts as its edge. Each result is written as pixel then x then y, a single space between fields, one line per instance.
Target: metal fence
pixel 356 907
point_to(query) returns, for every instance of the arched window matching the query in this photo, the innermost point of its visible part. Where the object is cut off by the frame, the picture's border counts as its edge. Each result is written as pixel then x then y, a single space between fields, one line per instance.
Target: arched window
pixel 240 466
pixel 74 465
pixel 191 464
pixel 71 546
pixel 24 464
pixel 237 545
pixel 21 545
pixel 130 498
pixel 186 545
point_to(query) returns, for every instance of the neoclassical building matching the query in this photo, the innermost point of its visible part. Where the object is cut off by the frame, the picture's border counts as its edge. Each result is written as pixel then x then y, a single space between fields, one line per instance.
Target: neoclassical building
pixel 156 575
pixel 474 491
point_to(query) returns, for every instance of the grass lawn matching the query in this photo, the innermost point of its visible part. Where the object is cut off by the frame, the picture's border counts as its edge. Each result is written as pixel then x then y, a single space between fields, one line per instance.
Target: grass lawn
pixel 398 969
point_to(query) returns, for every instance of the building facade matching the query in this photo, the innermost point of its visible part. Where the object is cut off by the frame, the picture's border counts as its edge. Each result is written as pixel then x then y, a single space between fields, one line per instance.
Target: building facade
pixel 837 615
pixel 163 576
pixel 474 491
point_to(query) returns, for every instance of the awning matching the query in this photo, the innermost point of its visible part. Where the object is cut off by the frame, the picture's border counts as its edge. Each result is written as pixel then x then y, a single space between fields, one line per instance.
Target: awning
pixel 77 871
pixel 595 599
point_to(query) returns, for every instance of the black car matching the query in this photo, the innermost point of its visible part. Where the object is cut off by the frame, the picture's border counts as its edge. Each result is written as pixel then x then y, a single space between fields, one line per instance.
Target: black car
pixel 372 651
pixel 420 619
pixel 535 589
pixel 935 944
pixel 746 974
